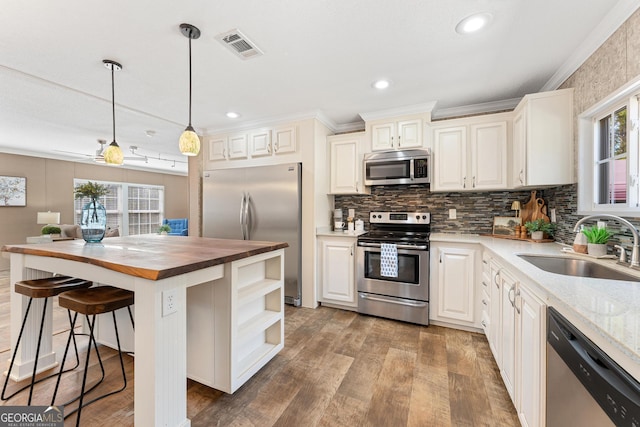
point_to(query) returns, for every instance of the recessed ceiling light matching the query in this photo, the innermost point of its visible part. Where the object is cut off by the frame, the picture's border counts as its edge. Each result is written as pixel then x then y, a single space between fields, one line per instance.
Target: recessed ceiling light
pixel 474 23
pixel 381 84
pixel 233 115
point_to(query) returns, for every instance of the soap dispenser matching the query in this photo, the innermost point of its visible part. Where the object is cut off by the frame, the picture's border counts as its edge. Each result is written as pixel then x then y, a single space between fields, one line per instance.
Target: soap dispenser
pixel 580 242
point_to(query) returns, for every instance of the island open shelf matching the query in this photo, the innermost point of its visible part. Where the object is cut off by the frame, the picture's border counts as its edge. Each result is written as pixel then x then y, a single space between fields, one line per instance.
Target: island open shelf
pixel 236 324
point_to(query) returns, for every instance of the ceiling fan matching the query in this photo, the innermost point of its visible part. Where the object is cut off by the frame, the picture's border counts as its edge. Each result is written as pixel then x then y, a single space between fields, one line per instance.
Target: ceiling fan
pixel 98 157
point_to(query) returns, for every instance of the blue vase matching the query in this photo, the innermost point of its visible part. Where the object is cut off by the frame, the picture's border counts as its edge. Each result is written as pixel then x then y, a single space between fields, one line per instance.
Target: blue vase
pixel 93 222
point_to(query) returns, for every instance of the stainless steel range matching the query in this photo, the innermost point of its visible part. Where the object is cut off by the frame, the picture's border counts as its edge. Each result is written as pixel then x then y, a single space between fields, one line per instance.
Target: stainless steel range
pixel 393 266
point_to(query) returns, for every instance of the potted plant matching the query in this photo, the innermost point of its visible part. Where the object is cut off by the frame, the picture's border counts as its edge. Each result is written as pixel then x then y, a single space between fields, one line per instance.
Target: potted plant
pixel 539 227
pixel 94 216
pixel 164 229
pixel 51 229
pixel 597 239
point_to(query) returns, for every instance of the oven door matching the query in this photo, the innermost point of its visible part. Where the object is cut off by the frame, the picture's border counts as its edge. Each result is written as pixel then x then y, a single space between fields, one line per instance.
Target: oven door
pixel 413 272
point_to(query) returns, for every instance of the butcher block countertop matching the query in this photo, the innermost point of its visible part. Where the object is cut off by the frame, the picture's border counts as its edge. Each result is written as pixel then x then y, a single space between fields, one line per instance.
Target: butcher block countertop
pixel 150 256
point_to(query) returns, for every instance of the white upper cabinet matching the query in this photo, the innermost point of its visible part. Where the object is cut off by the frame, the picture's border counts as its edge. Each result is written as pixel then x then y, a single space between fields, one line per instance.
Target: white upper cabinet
pixel 346 164
pixel 471 154
pixel 260 142
pixel 543 139
pixel 284 140
pixel 217 149
pixel 396 134
pixel 238 146
pixel 227 147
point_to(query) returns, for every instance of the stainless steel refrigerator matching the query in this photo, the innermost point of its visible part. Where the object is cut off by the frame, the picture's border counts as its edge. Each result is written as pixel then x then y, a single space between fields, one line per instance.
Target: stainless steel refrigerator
pixel 258 203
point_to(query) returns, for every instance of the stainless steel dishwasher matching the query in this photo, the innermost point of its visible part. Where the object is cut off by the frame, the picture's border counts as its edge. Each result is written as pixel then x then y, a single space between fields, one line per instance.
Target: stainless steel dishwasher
pixel 584 386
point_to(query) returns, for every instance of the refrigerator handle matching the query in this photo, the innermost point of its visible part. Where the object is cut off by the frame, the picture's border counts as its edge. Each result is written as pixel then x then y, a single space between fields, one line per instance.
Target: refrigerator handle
pixel 242 228
pixel 247 216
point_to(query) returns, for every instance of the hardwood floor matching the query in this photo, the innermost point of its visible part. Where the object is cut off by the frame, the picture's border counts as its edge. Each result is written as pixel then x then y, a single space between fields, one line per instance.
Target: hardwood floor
pixel 338 368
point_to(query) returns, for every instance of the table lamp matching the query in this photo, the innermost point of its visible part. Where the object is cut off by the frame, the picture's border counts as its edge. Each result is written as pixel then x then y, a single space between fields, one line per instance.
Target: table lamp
pixel 48 218
pixel 515 206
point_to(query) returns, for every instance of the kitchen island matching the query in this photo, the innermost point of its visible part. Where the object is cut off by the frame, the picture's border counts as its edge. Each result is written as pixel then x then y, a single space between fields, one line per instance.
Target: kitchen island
pixel 159 269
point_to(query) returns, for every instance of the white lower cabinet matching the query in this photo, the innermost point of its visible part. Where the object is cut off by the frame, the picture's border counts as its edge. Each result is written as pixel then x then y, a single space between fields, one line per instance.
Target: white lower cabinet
pixel 337 270
pixel 453 279
pixel 517 336
pixel 531 361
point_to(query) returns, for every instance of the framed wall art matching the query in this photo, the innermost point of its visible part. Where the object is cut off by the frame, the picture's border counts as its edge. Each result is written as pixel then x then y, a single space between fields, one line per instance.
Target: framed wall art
pixel 506 225
pixel 13 191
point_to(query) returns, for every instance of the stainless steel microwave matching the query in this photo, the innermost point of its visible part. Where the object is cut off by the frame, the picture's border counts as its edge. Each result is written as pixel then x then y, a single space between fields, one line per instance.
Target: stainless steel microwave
pixel 397 167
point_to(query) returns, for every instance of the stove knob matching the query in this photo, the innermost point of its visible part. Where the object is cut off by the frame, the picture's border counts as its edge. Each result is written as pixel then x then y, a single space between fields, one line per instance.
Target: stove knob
pixel 424 217
pixel 379 216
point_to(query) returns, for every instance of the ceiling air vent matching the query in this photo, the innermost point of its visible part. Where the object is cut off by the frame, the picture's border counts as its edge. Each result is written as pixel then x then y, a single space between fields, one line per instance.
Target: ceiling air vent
pixel 239 44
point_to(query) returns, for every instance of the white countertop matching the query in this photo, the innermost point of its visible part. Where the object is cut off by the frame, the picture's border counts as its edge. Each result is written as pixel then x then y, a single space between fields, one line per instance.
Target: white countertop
pixel 327 231
pixel 607 311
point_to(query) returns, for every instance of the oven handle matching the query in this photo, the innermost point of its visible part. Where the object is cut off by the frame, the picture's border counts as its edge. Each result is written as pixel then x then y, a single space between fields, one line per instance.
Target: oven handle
pixel 406 302
pixel 378 245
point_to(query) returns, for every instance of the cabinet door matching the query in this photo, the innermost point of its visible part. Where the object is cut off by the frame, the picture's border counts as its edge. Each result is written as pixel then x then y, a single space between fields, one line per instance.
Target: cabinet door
pixel 489 156
pixel 495 313
pixel 338 280
pixel 530 357
pixel 519 150
pixel 382 136
pixel 217 149
pixel 450 171
pixel 456 296
pixel 284 140
pixel 260 143
pixel 345 170
pixel 238 146
pixel 409 134
pixel 508 289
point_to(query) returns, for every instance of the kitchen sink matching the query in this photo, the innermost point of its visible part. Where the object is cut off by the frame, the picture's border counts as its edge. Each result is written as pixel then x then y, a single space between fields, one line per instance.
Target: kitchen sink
pixel 577 267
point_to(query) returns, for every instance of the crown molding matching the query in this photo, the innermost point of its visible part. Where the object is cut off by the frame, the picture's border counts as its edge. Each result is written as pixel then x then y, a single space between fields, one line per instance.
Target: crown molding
pixel 274 121
pixel 426 107
pixel 609 24
pixel 485 107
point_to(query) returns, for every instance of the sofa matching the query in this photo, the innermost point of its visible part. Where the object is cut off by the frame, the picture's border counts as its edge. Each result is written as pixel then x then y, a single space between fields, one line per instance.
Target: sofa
pixel 179 226
pixel 74 230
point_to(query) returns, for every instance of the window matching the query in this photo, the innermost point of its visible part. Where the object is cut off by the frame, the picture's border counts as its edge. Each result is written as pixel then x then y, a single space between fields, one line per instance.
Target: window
pixel 133 208
pixel 608 155
pixel 611 158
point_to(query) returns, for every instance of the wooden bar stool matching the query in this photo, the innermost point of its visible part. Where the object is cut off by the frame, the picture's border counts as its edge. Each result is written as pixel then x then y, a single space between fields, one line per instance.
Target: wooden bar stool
pixel 90 302
pixel 42 288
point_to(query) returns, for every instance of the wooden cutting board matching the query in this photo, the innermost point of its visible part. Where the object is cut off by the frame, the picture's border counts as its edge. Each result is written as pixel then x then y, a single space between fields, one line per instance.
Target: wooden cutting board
pixel 540 211
pixel 529 208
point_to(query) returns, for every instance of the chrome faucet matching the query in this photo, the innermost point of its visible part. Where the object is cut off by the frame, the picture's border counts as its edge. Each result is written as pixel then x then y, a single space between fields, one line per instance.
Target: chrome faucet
pixel 635 252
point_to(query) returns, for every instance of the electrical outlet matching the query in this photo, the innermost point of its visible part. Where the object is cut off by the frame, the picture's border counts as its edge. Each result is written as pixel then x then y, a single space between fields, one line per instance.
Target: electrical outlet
pixel 552 214
pixel 452 214
pixel 169 302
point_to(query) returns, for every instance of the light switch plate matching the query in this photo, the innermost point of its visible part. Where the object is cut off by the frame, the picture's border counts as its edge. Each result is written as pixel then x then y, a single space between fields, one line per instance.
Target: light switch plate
pixel 452 214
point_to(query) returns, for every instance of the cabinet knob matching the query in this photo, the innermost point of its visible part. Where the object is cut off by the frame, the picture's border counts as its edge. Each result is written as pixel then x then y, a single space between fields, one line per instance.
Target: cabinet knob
pixel 474 182
pixel 464 182
pixel 269 148
pixel 484 302
pixel 399 140
pixel 484 324
pixel 276 147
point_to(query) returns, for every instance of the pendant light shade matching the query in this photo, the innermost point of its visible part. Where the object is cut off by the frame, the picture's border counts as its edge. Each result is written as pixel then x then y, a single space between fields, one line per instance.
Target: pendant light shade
pixel 189 141
pixel 113 154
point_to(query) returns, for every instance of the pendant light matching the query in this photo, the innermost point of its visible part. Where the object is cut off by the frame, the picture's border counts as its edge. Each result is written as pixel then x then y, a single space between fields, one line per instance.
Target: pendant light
pixel 189 141
pixel 113 154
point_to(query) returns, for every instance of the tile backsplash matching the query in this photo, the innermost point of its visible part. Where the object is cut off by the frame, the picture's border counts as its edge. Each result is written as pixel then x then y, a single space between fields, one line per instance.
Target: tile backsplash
pixel 474 210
